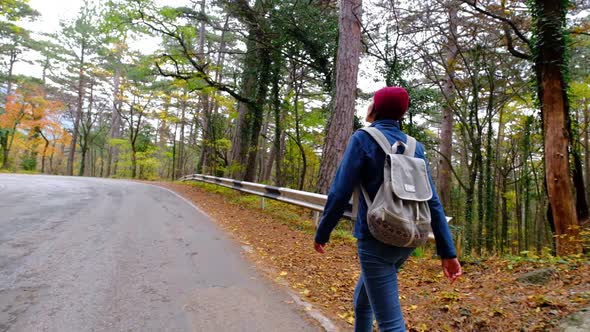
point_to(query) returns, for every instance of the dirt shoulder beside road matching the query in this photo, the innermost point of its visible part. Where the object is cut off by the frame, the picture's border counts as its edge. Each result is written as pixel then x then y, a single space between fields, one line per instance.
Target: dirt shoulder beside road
pixel 486 298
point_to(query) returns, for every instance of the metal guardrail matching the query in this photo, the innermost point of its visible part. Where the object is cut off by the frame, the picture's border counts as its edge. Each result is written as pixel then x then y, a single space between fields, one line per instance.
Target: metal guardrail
pixel 312 201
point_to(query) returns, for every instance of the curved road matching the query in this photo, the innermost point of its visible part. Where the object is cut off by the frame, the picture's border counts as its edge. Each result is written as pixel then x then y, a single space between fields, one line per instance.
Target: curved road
pixel 85 254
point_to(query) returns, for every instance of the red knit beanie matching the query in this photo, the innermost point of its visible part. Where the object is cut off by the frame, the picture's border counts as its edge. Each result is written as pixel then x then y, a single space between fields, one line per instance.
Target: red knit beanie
pixel 391 103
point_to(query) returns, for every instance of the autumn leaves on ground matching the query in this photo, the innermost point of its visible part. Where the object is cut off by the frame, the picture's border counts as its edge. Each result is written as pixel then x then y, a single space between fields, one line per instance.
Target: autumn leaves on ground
pixel 487 298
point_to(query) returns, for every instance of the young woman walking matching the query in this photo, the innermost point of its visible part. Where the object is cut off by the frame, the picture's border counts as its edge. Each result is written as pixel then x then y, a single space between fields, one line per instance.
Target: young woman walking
pixel 376 293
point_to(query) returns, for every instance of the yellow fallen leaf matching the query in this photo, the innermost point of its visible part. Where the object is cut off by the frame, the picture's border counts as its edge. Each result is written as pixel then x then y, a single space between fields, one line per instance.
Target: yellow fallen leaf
pixel 283 273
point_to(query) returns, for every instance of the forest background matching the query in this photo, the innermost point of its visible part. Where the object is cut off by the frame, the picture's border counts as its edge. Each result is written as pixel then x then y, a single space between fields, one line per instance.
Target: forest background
pixel 266 91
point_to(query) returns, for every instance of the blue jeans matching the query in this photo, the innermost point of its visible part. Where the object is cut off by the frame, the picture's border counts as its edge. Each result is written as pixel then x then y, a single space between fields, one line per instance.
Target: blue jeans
pixel 376 291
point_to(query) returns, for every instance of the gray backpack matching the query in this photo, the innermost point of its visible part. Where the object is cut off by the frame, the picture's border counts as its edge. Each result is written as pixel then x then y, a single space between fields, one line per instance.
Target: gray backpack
pixel 399 215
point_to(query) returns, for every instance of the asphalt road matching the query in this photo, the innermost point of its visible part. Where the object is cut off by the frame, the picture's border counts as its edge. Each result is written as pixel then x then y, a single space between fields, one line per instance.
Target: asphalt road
pixel 84 254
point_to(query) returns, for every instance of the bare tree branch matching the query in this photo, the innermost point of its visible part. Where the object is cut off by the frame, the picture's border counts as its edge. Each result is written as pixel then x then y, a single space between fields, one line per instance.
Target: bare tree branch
pixel 521 36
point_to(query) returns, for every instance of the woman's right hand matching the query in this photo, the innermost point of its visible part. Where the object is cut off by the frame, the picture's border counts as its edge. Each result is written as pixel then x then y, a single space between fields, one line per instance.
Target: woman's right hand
pixel 451 268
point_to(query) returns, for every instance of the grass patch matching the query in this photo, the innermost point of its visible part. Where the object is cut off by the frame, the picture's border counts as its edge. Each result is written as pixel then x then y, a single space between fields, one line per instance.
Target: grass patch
pixel 293 216
pixel 8 171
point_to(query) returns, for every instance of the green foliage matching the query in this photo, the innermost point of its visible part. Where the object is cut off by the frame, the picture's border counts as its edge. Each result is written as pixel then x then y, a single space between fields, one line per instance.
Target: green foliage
pixel 424 104
pixel 148 164
pixel 550 32
pixel 14 39
pixel 29 163
pixel 169 13
pixel 545 258
pixel 418 252
pixel 510 197
pixel 308 28
pixel 18 171
pixel 118 142
pixel 16 10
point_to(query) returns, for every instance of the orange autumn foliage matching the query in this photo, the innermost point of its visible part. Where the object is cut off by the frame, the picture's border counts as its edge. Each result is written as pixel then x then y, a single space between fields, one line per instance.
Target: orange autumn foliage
pixel 31 120
pixel 28 109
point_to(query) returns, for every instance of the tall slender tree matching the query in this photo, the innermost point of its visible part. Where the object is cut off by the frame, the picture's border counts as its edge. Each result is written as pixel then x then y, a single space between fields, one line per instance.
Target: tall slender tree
pixel 550 55
pixel 341 120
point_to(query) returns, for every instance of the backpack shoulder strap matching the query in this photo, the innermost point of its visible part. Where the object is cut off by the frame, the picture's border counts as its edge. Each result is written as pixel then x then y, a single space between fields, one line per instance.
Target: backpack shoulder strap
pixel 410 146
pixel 379 138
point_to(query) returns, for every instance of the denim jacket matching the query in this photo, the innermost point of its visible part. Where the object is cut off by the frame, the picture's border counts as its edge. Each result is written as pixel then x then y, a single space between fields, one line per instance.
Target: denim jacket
pixel 363 164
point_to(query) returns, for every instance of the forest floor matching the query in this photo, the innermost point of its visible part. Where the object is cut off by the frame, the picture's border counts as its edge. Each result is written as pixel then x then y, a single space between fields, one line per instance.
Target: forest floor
pixel 487 297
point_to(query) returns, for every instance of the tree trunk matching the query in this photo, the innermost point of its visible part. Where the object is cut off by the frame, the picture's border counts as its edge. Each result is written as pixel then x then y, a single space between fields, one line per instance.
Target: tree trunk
pixel 258 115
pixel 44 155
pixel 211 150
pixel 5 152
pixel 83 151
pixel 250 174
pixel 9 143
pixel 278 120
pixel 206 138
pixel 269 163
pixel 93 161
pixel 164 136
pixel 587 145
pixel 550 59
pixel 11 62
pixel 133 163
pixel 115 130
pixel 540 221
pixel 85 133
pixel 101 162
pixel 51 170
pixel 504 237
pixel 205 111
pixel 263 155
pixel 526 181
pixel 480 206
pixel 519 210
pixel 578 173
pixel 499 153
pixel 180 166
pixel 446 137
pixel 579 186
pixel 4 136
pixel 78 115
pixel 174 175
pixel 243 127
pixel 490 211
pixel 469 200
pixel 342 120
pixel 298 140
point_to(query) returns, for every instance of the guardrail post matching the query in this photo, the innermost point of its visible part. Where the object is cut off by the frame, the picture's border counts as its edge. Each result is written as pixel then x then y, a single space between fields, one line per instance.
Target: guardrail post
pixel 263 202
pixel 316 218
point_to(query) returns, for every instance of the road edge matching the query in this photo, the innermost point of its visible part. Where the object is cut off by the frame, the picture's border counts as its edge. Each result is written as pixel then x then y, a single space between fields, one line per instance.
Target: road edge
pixel 312 313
